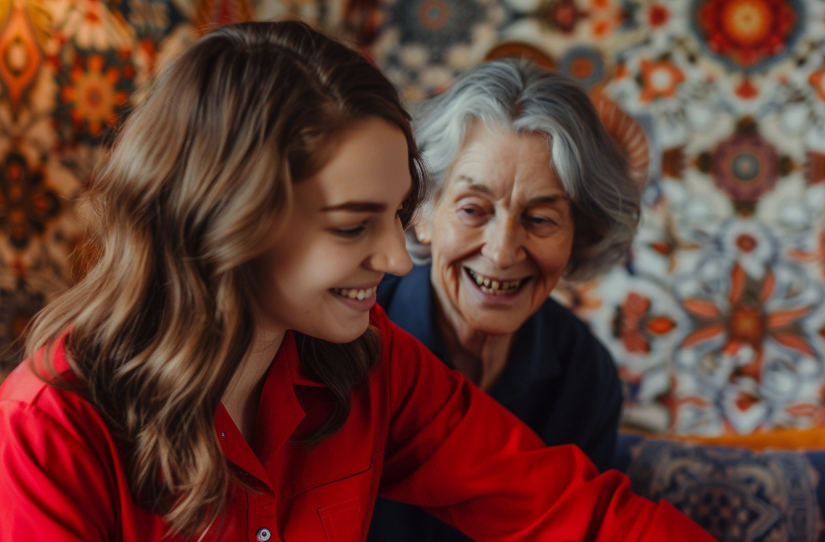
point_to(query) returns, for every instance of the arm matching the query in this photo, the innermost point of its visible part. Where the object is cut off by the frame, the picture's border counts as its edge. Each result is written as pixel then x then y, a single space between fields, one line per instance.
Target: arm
pixel 456 452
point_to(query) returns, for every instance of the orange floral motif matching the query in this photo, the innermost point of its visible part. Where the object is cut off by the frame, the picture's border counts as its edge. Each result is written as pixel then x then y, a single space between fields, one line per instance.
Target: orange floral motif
pixel 659 79
pixel 20 54
pixel 96 93
pixel 746 322
pixel 817 80
pixel 634 326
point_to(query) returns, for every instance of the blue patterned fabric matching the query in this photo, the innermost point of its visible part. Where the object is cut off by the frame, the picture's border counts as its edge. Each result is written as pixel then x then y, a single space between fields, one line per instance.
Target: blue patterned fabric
pixel 736 494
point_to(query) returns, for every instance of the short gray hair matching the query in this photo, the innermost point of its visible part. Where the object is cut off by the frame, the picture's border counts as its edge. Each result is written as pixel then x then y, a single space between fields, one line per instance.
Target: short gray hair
pixel 591 167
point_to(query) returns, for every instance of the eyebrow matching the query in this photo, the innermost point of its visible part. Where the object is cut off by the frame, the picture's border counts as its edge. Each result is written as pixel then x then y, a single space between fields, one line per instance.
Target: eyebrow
pixel 474 186
pixel 357 207
pixel 548 199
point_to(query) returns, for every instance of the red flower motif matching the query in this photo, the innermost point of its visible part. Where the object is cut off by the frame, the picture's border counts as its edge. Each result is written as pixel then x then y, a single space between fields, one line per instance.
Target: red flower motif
pixel 658 15
pixel 562 14
pixel 747 32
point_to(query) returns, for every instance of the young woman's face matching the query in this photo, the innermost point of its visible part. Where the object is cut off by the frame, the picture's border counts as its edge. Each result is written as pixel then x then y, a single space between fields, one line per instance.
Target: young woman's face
pixel 501 231
pixel 320 275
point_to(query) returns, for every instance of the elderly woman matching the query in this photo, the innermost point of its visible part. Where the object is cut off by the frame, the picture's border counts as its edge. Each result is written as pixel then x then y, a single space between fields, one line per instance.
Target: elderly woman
pixel 528 187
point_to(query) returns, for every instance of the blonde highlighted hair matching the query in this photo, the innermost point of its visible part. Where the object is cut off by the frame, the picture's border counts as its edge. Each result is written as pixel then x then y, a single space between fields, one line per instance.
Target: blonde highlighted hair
pixel 200 173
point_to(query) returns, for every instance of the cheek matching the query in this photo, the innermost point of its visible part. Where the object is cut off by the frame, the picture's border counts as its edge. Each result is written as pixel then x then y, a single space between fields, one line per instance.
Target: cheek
pixel 552 259
pixel 452 241
pixel 294 274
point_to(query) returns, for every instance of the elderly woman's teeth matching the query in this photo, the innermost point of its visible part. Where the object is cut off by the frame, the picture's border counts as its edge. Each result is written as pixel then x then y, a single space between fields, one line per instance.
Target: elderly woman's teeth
pixel 355 294
pixel 494 287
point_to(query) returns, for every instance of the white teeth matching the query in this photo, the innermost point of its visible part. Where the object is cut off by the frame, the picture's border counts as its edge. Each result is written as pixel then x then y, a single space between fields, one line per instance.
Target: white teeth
pixel 486 282
pixel 355 294
pixel 495 285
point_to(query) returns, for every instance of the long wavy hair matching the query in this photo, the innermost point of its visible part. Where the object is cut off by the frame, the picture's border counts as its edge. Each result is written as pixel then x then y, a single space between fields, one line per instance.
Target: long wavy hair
pixel 201 172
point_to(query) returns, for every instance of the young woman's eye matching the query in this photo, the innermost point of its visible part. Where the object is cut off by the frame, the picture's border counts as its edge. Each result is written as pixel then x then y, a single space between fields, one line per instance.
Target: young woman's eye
pixel 350 232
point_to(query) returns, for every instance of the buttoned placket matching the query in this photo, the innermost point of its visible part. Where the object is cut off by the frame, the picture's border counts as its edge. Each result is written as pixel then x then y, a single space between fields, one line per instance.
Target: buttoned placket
pixel 277 396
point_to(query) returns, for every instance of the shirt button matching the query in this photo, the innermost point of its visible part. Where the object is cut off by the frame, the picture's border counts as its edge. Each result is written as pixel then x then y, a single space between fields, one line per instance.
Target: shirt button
pixel 263 534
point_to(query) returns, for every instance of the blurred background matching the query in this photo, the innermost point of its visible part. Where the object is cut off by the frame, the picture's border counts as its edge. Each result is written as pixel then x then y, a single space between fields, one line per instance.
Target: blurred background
pixel 716 319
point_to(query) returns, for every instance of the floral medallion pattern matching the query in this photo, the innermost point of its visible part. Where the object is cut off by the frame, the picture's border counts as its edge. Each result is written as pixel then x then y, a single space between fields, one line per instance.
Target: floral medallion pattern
pixel 716 319
pixel 93 96
pixel 69 72
pixel 27 205
pixel 747 34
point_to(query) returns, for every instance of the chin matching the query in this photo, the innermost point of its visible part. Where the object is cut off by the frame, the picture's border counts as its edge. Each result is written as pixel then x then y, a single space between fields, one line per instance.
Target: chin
pixel 345 334
pixel 494 326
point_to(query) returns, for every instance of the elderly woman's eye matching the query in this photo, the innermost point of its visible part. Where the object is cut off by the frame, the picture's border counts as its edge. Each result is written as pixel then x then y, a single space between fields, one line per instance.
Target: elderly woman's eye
pixel 472 214
pixel 471 210
pixel 540 221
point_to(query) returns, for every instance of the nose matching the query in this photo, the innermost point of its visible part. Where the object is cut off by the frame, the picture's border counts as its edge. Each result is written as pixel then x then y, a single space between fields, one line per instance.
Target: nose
pixel 390 255
pixel 503 242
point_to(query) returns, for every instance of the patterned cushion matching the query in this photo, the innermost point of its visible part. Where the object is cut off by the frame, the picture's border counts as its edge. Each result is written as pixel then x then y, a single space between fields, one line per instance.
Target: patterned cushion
pixel 736 494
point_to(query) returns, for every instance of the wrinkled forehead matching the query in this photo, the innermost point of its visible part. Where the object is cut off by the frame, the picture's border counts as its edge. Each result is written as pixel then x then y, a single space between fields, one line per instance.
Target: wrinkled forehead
pixel 495 159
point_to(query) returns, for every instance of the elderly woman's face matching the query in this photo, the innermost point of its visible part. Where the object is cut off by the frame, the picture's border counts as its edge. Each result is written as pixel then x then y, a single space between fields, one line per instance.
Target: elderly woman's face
pixel 501 231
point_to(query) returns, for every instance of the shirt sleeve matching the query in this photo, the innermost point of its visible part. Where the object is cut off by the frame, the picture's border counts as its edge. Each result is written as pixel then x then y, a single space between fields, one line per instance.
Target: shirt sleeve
pixel 456 452
pixel 52 483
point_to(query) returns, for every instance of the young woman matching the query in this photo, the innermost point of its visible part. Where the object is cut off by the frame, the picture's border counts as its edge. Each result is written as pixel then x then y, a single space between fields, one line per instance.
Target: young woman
pixel 222 373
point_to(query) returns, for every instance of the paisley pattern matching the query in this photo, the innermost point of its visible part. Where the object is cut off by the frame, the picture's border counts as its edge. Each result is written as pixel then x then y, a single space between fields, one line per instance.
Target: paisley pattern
pixel 733 493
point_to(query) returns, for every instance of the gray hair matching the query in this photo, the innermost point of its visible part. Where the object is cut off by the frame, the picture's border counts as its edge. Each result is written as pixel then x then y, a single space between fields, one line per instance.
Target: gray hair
pixel 591 167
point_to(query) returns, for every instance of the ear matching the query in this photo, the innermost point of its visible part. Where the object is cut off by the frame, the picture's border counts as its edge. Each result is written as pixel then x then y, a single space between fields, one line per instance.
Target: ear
pixel 423 230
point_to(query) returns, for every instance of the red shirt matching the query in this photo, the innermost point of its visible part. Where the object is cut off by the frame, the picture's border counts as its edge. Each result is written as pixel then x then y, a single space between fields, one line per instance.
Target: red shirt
pixel 417 432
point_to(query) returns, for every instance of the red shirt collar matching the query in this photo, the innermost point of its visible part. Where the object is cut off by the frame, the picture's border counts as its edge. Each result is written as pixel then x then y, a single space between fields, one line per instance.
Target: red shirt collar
pixel 279 414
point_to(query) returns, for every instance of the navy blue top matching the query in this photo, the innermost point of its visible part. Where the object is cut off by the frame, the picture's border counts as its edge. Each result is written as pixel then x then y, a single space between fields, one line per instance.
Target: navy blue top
pixel 559 380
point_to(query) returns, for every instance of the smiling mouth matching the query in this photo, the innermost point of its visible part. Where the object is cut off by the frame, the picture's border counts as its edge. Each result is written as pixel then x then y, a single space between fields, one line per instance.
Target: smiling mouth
pixel 493 286
pixel 353 293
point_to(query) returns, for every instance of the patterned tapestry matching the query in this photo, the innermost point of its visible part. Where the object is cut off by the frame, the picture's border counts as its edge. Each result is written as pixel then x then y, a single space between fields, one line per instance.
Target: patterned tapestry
pixel 717 318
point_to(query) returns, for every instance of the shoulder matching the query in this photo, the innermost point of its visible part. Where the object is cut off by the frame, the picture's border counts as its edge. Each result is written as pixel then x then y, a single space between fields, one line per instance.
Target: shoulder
pixel 563 340
pixel 401 352
pixel 64 465
pixel 35 406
